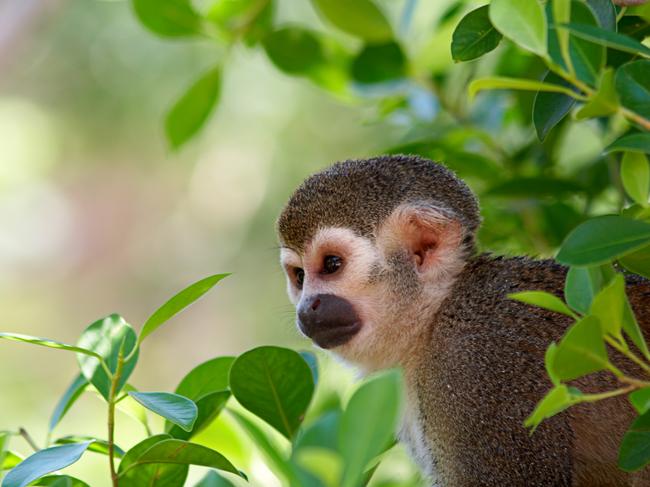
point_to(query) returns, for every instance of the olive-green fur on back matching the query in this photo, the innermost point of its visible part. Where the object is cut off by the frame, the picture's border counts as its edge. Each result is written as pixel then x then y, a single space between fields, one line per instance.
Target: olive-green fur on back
pixel 360 194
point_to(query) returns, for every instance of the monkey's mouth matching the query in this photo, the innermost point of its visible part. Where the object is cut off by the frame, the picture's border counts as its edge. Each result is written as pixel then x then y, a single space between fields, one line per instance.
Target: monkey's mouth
pixel 331 336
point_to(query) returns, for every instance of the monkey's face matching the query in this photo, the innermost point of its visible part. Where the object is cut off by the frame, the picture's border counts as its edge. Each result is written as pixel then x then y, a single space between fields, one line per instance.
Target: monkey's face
pixel 364 297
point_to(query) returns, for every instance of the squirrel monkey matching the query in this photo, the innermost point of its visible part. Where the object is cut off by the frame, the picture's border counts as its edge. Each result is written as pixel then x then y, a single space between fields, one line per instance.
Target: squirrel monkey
pixel 381 265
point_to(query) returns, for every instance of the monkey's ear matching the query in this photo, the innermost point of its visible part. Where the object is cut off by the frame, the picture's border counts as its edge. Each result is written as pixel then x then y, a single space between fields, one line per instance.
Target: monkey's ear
pixel 431 238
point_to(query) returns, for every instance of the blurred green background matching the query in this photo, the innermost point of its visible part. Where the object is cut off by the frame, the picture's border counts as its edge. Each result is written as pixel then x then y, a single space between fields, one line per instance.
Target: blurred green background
pixel 98 215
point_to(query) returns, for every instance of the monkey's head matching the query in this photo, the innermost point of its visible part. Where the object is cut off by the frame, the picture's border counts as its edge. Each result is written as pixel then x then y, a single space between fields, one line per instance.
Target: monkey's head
pixel 370 249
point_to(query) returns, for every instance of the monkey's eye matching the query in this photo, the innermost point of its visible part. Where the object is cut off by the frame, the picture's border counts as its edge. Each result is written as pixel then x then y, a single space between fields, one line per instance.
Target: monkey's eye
pixel 300 276
pixel 331 264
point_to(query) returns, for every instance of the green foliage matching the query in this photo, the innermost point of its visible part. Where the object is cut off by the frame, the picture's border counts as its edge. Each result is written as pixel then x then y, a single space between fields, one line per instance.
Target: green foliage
pixel 173 407
pixel 474 36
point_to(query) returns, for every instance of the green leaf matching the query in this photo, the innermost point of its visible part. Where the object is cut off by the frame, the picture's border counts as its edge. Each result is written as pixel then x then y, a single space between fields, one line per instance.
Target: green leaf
pixel 11 459
pixel 252 19
pixel 556 400
pixel 535 187
pixel 378 63
pixel 635 175
pixel 561 10
pixel 634 453
pixel 604 101
pixel 543 300
pixel 360 18
pixel 605 13
pixel 274 455
pixel 44 462
pixel 105 338
pixel 275 384
pixel 368 424
pixel 153 475
pixel 633 86
pixel 192 110
pixel 550 108
pixel 312 361
pixel 608 38
pixel 46 342
pixel 602 239
pixel 4 444
pixel 609 306
pixel 549 358
pixel 168 18
pixel 294 50
pixel 638 262
pixel 61 481
pixel 631 142
pixel 213 479
pixel 522 21
pixel 179 452
pixel 640 399
pixel 322 433
pixel 96 445
pixel 632 329
pixel 581 351
pixel 132 408
pixel 70 396
pixel 178 303
pixel 474 36
pixel 209 407
pixel 583 283
pixel 501 83
pixel 173 407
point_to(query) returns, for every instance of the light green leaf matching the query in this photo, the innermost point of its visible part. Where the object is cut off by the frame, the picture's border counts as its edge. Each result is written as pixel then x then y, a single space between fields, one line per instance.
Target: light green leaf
pixel 608 38
pixel 96 445
pixel 639 142
pixel 275 384
pixel 609 306
pixel 368 424
pixel 168 18
pixel 581 351
pixel 640 399
pixel 522 21
pixel 604 101
pixel 501 83
pixel 213 479
pixel 70 396
pixel 252 19
pixel 11 459
pixel 177 303
pixel 474 36
pixel 544 300
pixel 583 283
pixel 635 175
pixel 44 462
pixel 192 110
pixel 638 262
pixel 632 329
pixel 556 400
pixel 294 50
pixel 561 15
pixel 60 481
pixel 173 407
pixel 634 453
pixel 4 444
pixel 46 342
pixel 360 18
pixel 105 338
pixel 549 358
pixel 633 86
pixel 602 239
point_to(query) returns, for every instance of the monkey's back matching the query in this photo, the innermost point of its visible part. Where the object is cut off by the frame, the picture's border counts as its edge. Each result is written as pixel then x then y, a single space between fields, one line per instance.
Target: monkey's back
pixel 483 373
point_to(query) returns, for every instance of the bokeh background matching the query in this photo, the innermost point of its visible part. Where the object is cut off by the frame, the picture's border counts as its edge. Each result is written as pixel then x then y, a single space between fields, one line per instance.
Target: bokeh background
pixel 98 215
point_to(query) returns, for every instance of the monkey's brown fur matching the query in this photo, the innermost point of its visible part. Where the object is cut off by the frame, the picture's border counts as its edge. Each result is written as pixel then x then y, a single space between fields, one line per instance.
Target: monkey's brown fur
pixel 479 371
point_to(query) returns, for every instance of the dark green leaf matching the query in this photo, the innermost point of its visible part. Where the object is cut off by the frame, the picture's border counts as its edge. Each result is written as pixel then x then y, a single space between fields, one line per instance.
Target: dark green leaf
pixel 360 18
pixel 294 50
pixel 602 239
pixel 633 86
pixel 168 18
pixel 209 407
pixel 70 396
pixel 605 13
pixel 173 407
pixel 154 475
pixel 192 110
pixel 377 63
pixel 322 433
pixel 106 337
pixel 640 399
pixel 474 36
pixel 581 351
pixel 632 142
pixel 535 187
pixel 550 108
pixel 178 303
pixel 368 424
pixel 583 283
pixel 522 21
pixel 274 383
pixel 44 462
pixel 61 481
pixel 635 447
pixel 607 38
pixel 543 300
pixel 213 479
pixel 96 445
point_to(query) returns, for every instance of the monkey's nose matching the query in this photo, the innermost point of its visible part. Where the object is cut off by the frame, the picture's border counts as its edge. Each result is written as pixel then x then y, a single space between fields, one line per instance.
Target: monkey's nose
pixel 328 319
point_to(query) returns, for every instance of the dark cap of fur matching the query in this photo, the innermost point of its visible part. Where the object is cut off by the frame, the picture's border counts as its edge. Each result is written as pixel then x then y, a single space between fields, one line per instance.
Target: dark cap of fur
pixel 360 194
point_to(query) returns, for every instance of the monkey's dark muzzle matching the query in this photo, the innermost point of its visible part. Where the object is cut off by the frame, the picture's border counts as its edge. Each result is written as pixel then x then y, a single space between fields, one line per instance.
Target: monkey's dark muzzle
pixel 330 321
